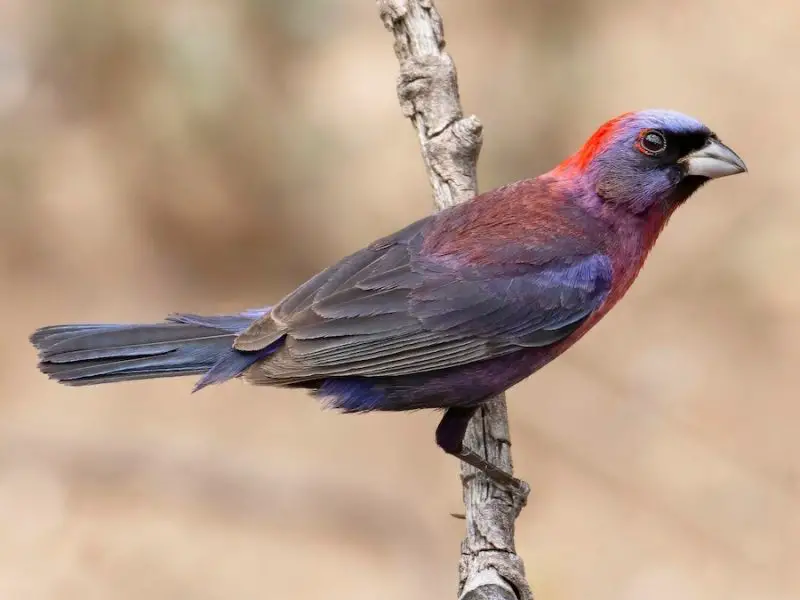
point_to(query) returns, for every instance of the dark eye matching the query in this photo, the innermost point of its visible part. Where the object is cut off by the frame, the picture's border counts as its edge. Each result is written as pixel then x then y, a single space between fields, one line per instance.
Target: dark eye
pixel 652 142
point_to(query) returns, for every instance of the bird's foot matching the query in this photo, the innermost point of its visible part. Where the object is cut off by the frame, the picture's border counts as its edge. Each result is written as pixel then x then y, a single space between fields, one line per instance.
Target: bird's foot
pixel 450 438
pixel 518 489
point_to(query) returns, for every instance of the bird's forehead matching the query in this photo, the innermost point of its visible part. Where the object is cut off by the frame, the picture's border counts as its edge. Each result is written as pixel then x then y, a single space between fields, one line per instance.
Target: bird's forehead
pixel 668 120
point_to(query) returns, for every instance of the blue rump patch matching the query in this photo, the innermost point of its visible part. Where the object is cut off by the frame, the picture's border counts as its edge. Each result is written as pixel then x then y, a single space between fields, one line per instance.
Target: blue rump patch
pixel 351 395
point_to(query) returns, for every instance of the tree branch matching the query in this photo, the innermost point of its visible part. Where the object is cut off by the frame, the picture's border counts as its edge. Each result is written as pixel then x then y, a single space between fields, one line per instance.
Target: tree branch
pixel 428 90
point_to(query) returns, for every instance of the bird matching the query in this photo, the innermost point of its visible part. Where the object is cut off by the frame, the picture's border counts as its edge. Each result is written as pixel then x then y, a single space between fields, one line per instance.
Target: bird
pixel 450 310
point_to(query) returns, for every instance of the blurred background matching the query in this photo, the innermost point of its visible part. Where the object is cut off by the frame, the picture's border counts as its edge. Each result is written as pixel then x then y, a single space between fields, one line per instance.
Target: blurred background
pixel 208 156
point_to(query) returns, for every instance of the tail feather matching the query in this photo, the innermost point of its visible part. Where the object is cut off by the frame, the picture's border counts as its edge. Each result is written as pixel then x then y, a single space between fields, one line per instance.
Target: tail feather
pixel 126 340
pixel 88 354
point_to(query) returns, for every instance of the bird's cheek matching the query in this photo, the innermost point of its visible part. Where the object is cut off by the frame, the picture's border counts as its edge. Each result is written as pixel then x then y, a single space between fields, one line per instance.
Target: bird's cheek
pixel 611 188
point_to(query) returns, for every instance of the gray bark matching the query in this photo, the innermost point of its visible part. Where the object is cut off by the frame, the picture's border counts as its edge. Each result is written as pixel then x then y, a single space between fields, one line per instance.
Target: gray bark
pixel 428 91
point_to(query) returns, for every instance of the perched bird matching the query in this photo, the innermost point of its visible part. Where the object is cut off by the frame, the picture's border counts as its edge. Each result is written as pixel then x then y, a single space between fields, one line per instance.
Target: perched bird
pixel 449 311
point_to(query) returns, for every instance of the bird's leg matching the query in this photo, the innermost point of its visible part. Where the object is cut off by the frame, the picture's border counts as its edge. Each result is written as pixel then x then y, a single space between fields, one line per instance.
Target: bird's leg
pixel 450 438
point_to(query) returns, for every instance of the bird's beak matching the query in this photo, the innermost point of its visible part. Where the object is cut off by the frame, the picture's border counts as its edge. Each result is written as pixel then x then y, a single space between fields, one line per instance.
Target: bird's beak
pixel 713 160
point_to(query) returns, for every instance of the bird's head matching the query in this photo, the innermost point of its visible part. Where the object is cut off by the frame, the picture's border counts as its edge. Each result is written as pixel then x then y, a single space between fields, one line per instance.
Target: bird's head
pixel 651 157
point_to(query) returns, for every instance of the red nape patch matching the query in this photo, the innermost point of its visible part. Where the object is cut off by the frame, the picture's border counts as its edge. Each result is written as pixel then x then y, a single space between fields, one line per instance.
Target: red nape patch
pixel 599 139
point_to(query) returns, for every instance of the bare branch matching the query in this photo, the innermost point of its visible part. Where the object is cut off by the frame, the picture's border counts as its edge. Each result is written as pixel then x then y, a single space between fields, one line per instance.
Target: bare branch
pixel 428 91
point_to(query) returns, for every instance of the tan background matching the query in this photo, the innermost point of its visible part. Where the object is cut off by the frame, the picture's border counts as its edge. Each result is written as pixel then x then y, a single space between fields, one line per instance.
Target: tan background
pixel 209 155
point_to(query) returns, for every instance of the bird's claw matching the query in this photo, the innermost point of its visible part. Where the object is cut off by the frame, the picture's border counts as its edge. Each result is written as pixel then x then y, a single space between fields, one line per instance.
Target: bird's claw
pixel 517 488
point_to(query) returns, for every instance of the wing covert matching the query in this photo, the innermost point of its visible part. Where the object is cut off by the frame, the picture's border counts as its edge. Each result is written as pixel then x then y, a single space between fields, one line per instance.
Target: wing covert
pixel 389 311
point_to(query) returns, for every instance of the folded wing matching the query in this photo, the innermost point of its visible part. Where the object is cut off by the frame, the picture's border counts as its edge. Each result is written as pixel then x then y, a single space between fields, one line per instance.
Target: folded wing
pixel 389 310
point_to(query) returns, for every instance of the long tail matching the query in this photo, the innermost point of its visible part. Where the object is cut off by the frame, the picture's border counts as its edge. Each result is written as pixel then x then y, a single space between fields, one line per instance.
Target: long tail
pixel 88 354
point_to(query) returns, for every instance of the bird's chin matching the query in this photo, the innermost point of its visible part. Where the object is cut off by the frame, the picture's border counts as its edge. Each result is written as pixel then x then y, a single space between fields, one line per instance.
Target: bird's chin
pixel 687 186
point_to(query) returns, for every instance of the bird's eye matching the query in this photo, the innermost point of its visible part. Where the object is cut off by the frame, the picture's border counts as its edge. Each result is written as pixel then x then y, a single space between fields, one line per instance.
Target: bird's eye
pixel 652 142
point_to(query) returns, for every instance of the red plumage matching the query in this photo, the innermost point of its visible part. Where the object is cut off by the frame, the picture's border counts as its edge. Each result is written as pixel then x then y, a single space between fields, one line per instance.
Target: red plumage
pixel 597 143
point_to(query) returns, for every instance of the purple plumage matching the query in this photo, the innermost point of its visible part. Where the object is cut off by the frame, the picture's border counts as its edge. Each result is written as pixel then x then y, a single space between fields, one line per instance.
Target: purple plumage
pixel 450 310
